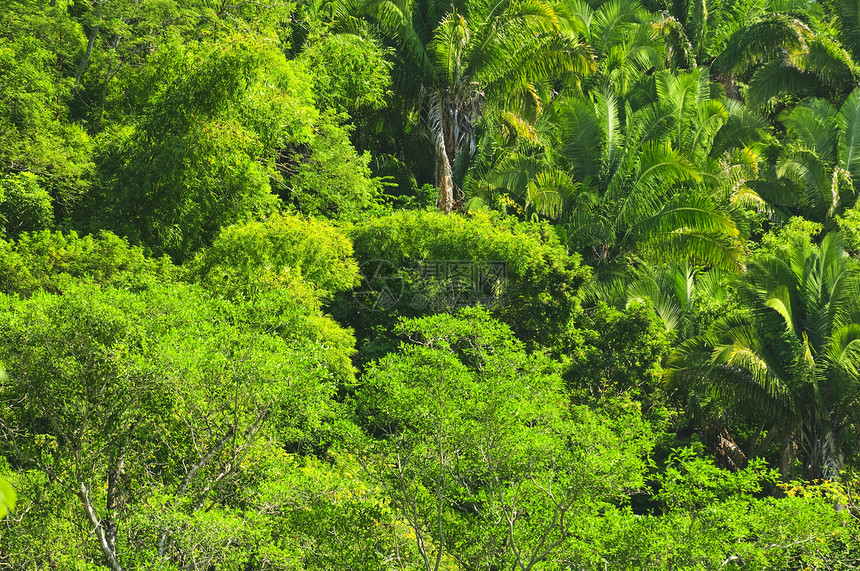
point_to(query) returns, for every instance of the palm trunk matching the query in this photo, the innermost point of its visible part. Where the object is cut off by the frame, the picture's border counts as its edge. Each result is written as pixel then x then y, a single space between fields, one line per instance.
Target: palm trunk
pixel 728 453
pixel 445 181
pixel 788 454
pixel 730 88
pixel 450 117
pixel 439 122
pixel 823 458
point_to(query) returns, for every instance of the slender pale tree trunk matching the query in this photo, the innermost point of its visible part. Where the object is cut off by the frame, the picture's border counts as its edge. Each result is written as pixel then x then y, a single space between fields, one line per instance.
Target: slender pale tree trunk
pixel 439 122
pixel 86 59
pixel 105 541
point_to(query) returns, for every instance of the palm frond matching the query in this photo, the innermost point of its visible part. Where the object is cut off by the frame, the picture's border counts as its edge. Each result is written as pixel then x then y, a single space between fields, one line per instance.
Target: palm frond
pixel 712 284
pixel 809 172
pixel 646 125
pixel 779 299
pixel 589 228
pixel 711 249
pixel 843 360
pixel 760 42
pixel 648 288
pixel 731 371
pixel 848 23
pixel 518 126
pixel 511 67
pixel 577 16
pixel 773 197
pixel 679 94
pixel 712 115
pixel 449 40
pixel 612 23
pixel 814 124
pixel 841 277
pixel 608 286
pixel 745 377
pixel 765 274
pixel 680 53
pixel 849 142
pixel 514 172
pixel 550 193
pixel 776 79
pixel 742 128
pixel 607 110
pixel 582 137
pixel 830 63
pixel 659 168
pixel 692 228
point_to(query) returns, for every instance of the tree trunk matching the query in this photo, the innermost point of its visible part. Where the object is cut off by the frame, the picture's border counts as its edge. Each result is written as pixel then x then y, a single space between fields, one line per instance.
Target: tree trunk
pixel 104 541
pixel 729 86
pixel 86 61
pixel 756 448
pixel 788 455
pixel 438 120
pixel 823 459
pixel 445 182
pixel 451 115
pixel 728 453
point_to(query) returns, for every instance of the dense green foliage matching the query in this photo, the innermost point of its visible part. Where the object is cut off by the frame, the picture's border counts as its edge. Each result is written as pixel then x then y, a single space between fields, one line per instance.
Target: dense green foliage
pixel 420 285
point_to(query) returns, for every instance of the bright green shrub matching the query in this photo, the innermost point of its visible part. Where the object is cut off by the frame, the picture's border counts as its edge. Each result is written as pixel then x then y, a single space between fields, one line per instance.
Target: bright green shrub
pixel 24 205
pixel 537 298
pixel 48 259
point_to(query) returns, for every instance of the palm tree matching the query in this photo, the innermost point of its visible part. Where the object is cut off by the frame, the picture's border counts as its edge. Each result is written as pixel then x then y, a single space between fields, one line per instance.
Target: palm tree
pixel 525 161
pixel 624 40
pixel 455 61
pixel 687 300
pixel 675 291
pixel 637 181
pixel 695 31
pixel 846 21
pixel 777 47
pixel 818 60
pixel 793 358
pixel 813 65
pixel 822 159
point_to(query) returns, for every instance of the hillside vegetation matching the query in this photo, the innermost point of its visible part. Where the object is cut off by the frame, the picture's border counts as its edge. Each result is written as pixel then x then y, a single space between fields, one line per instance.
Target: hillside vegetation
pixel 406 285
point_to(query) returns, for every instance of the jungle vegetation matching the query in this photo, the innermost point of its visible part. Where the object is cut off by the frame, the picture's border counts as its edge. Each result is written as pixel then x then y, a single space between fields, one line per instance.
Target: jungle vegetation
pixel 416 285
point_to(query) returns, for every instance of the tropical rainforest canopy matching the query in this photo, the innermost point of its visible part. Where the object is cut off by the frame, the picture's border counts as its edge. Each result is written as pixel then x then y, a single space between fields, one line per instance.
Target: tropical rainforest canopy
pixel 407 285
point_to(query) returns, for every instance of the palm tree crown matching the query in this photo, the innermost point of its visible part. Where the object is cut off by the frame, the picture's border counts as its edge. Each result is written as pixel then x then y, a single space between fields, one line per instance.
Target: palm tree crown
pixel 793 357
pixel 822 160
pixel 455 60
